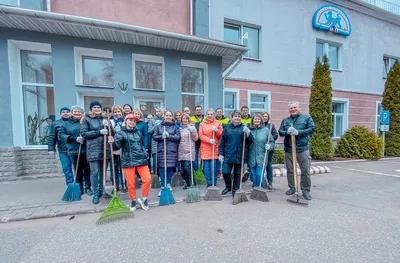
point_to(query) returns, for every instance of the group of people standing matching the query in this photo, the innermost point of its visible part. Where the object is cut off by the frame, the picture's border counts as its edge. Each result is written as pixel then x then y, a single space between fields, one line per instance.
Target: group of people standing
pixel 138 145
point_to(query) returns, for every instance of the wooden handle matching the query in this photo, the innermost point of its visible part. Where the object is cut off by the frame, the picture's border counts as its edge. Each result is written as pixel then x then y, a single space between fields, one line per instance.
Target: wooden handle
pixel 242 168
pixel 212 160
pixel 190 151
pixel 165 161
pixel 77 162
pixel 265 155
pixel 112 153
pixel 294 159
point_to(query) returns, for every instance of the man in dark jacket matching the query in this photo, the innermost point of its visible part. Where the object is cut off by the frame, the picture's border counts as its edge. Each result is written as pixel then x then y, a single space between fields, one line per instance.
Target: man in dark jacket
pixel 230 151
pixel 303 127
pixel 93 131
pixel 53 141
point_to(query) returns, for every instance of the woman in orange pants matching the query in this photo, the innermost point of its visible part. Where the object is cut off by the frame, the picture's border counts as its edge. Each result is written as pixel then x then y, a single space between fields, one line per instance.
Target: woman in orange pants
pixel 134 158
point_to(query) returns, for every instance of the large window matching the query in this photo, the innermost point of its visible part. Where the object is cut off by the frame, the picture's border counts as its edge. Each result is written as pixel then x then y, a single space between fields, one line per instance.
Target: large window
pixel 231 101
pixel 147 104
pixel 339 118
pixel 9 2
pixel 259 101
pixel 38 95
pixel 105 100
pixel 248 36
pixel 332 52
pixel 193 84
pixel 388 63
pixel 148 72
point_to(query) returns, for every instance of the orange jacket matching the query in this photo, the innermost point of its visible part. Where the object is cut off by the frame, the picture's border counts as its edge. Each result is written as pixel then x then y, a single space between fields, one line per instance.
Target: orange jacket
pixel 205 134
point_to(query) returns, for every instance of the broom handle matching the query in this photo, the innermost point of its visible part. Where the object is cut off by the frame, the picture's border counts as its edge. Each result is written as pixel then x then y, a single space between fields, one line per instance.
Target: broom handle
pixel 104 159
pixel 112 153
pixel 190 151
pixel 165 161
pixel 294 158
pixel 242 168
pixel 77 162
pixel 212 161
pixel 265 155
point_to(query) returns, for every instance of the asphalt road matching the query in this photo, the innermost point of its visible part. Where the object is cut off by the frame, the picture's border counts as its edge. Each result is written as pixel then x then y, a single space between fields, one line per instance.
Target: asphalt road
pixel 354 217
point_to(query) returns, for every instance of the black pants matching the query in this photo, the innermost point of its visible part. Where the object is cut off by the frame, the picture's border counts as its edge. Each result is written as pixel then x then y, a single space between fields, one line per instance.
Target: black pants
pixel 187 173
pixel 227 171
pixel 83 172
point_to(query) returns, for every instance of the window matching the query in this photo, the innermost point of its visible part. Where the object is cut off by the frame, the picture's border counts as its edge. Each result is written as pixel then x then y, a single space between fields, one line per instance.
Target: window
pixel 37 95
pixel 378 116
pixel 147 105
pixel 248 36
pixel 388 63
pixel 231 101
pixel 339 117
pixel 193 84
pixel 259 101
pixel 148 72
pixel 94 67
pixel 9 2
pixel 332 52
pixel 105 101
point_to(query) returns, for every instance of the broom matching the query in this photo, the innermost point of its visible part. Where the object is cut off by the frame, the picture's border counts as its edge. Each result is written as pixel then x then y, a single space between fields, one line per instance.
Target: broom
pixel 258 192
pixel 166 197
pixel 213 193
pixel 155 181
pixel 73 191
pixel 116 209
pixel 192 191
pixel 295 198
pixel 240 195
pixel 106 188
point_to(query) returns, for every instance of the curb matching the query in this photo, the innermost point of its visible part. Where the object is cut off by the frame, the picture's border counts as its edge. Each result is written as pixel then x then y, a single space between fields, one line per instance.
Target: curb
pixel 280 172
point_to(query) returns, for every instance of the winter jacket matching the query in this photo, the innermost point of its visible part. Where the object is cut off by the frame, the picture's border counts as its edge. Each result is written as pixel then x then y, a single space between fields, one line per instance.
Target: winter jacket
pixel 305 125
pixel 205 134
pixel 131 142
pixel 231 144
pixel 143 128
pixel 53 137
pixel 197 122
pixel 257 148
pixel 246 120
pixel 187 139
pixel 68 134
pixel 274 133
pixel 172 144
pixel 90 131
pixel 152 126
pixel 223 120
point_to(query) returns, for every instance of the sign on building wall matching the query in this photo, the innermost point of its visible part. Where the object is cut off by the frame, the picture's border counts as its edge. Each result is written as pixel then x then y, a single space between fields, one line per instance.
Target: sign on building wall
pixel 332 18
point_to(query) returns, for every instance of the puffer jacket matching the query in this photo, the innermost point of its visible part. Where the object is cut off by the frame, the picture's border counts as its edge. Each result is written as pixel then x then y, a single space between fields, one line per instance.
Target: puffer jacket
pixel 187 139
pixel 257 148
pixel 172 144
pixel 143 128
pixel 117 125
pixel 90 131
pixel 68 134
pixel 305 125
pixel 53 137
pixel 130 141
pixel 205 134
pixel 152 126
pixel 231 144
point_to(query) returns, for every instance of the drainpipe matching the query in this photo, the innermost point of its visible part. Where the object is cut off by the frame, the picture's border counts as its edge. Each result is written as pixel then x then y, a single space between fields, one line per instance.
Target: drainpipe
pixel 224 76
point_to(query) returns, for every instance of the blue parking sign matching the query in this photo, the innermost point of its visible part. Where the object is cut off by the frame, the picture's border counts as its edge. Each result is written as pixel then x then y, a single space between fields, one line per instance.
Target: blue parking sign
pixel 385 117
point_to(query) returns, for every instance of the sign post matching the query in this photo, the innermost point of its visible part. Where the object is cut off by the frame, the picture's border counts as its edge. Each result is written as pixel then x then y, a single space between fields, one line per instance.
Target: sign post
pixel 385 120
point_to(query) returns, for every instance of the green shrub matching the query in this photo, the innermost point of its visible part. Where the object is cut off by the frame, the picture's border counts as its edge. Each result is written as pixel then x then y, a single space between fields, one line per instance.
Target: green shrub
pixel 391 102
pixel 279 156
pixel 320 110
pixel 360 142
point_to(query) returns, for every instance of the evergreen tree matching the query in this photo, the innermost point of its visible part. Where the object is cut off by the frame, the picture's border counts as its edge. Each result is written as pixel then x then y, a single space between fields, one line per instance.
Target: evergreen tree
pixel 391 102
pixel 320 109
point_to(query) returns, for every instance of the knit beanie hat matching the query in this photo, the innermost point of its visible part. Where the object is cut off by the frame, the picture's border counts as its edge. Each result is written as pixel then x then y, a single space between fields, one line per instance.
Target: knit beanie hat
pixel 64 108
pixel 94 103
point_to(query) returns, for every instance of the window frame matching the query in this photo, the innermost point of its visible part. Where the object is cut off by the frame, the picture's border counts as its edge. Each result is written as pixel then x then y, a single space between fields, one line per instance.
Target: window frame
pixel 204 66
pixel 80 96
pixel 79 53
pixel 345 115
pixel 325 50
pixel 150 59
pixel 236 93
pixel 149 98
pixel 240 26
pixel 259 92
pixel 387 65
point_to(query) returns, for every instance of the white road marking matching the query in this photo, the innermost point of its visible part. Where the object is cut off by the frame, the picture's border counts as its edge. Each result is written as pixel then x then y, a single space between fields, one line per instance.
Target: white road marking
pixel 369 172
pixel 398 170
pixel 391 162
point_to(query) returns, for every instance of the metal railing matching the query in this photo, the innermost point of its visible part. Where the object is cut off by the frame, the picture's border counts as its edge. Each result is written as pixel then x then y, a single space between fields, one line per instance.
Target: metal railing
pixel 388 6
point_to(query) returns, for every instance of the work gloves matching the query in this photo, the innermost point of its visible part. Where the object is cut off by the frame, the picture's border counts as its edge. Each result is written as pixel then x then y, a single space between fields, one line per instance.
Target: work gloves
pixel 191 129
pixel 246 130
pixel 214 129
pixel 221 158
pixel 80 139
pixel 212 141
pixel 103 131
pixel 292 131
pixel 165 135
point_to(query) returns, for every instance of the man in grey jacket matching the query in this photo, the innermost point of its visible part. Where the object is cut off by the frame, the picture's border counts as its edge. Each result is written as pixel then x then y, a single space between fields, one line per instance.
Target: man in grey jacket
pixel 303 127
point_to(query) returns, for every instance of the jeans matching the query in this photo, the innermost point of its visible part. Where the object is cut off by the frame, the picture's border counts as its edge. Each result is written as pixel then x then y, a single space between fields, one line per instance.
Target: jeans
pixel 227 171
pixel 187 173
pixel 257 175
pixel 96 177
pixel 178 167
pixel 208 172
pixel 196 161
pixel 304 160
pixel 219 166
pixel 66 163
pixel 83 172
pixel 118 170
pixel 170 171
pixel 270 175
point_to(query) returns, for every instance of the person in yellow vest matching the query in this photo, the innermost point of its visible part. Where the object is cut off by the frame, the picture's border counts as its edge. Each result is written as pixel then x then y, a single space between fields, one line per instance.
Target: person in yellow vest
pixel 246 118
pixel 196 119
pixel 221 118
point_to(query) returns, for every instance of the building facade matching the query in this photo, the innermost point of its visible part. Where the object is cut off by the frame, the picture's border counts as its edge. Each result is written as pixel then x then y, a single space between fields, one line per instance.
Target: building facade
pixel 176 53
